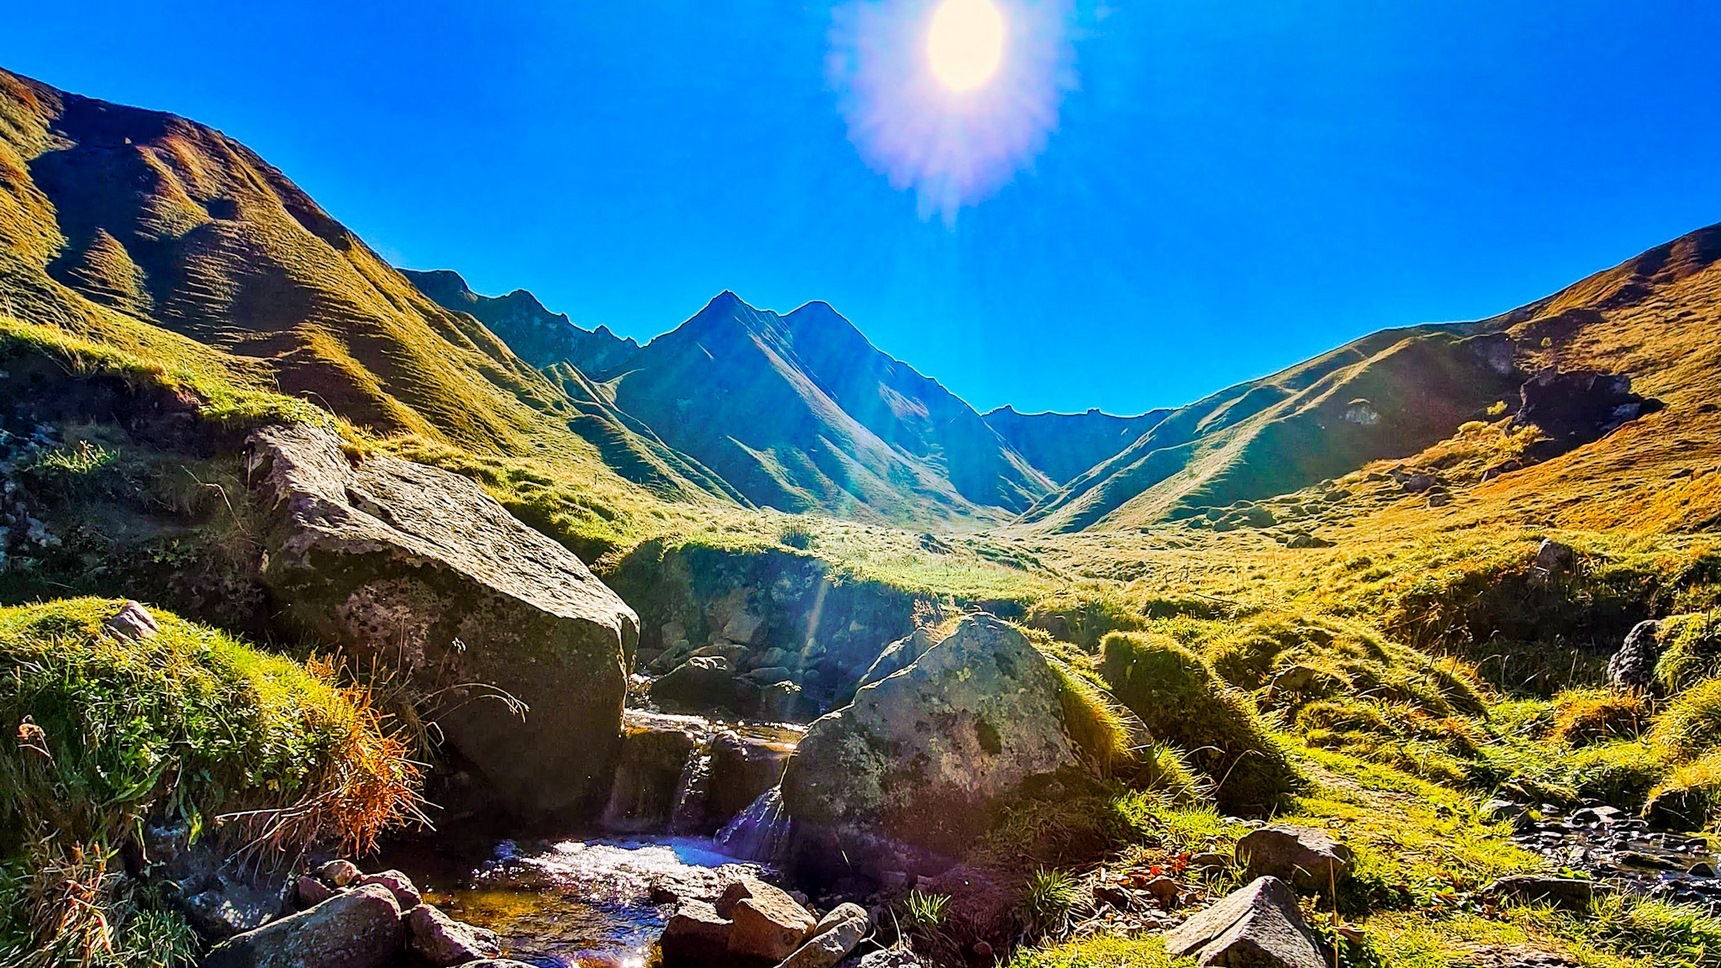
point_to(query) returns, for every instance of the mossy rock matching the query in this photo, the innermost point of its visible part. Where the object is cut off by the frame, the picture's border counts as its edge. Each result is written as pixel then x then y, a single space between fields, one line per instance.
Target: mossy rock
pixel 1182 702
pixel 921 756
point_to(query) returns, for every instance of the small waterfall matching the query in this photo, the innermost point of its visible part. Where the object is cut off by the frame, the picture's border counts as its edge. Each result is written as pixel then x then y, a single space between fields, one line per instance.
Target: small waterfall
pixel 693 792
pixel 760 832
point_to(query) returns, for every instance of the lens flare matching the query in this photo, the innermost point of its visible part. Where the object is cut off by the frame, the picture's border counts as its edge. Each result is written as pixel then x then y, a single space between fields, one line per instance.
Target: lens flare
pixel 965 43
pixel 950 99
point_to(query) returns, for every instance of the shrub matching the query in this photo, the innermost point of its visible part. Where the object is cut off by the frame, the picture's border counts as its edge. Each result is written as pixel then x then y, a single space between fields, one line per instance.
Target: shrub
pixel 1047 899
pixel 1182 702
pixel 1585 716
pixel 796 534
pixel 1691 649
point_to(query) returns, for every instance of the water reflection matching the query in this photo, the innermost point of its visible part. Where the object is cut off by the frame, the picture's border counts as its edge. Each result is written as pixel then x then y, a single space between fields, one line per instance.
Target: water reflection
pixel 566 903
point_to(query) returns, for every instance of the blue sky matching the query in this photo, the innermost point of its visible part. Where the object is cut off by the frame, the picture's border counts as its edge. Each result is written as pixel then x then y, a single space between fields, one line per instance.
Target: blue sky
pixel 1229 187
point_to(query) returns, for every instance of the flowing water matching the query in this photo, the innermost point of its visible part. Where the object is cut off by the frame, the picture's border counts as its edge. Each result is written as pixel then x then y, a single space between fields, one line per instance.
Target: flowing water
pixel 592 901
pixel 759 833
pixel 567 903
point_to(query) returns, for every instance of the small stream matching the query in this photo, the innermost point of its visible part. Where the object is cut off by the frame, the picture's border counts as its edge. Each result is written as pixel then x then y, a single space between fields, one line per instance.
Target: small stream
pixel 576 902
pixel 1622 852
pixel 695 807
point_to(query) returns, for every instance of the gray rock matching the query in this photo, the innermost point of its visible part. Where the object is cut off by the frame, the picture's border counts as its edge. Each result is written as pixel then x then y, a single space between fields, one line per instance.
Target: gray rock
pixel 419 570
pixel 919 756
pixel 360 928
pixel 132 622
pixel 768 924
pixel 832 938
pixel 232 906
pixel 340 873
pixel 1633 666
pixel 704 684
pixel 310 891
pixel 1570 893
pixel 1553 558
pixel 1309 858
pixel 442 942
pixel 1257 926
pixel 1496 810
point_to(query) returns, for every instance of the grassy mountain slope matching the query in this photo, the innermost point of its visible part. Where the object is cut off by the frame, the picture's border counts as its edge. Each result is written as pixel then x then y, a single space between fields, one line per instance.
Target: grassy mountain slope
pixel 1064 445
pixel 167 240
pixel 800 412
pixel 535 334
pixel 1391 392
pixel 1397 392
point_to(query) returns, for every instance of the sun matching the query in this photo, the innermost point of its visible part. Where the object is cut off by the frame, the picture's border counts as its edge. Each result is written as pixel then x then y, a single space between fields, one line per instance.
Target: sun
pixel 965 43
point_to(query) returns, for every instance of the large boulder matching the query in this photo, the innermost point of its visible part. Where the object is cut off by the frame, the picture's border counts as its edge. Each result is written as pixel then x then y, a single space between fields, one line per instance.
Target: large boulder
pixel 919 756
pixel 421 571
pixel 705 684
pixel 898 656
pixel 1257 926
pixel 357 929
pixel 768 928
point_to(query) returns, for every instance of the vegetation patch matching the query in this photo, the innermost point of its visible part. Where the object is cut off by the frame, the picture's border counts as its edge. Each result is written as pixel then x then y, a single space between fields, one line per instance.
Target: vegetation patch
pixel 104 733
pixel 1181 701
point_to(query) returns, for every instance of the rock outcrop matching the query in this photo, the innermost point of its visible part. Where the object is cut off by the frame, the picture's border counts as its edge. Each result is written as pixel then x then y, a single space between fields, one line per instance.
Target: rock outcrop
pixel 1257 926
pixel 423 572
pixel 919 756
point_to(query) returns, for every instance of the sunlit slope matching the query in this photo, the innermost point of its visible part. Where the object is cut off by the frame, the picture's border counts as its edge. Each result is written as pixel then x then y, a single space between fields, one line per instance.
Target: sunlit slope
pixel 801 413
pixel 1391 392
pixel 167 239
pixel 1656 319
pixel 1394 393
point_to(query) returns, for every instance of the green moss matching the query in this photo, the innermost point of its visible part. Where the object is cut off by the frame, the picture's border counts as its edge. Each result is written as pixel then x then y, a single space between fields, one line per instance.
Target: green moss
pixel 1181 702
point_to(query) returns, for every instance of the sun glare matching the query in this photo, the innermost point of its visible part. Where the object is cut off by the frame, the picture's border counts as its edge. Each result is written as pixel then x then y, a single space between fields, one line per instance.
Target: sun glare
pixel 951 99
pixel 965 43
